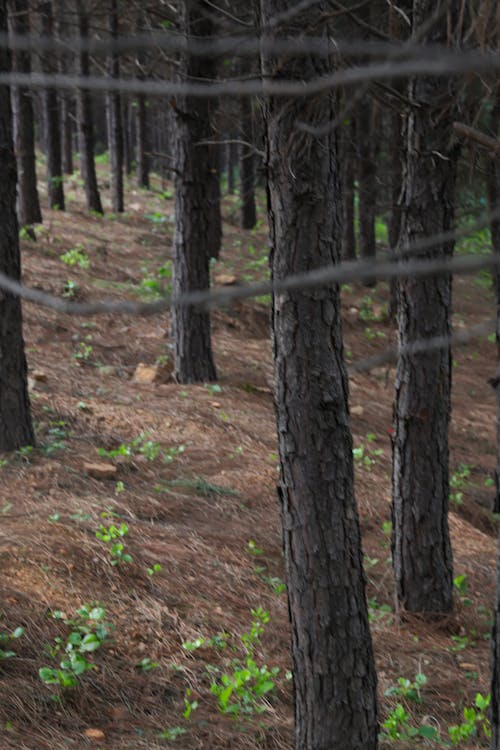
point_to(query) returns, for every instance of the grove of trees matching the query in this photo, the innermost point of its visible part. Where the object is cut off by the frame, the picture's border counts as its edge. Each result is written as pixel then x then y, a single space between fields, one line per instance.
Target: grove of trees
pixel 264 92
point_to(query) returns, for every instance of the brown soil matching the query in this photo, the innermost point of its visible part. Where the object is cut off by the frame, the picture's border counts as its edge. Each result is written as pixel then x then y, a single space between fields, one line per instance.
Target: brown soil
pixel 199 532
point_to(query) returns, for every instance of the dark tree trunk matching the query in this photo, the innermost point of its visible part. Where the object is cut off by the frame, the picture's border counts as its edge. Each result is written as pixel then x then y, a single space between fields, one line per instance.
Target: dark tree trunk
pixel 348 169
pixel 247 167
pixel 332 659
pixel 28 205
pixel 193 361
pixel 141 156
pixel 493 190
pixel 85 123
pixel 366 179
pixel 16 428
pixel 115 132
pixel 213 198
pixel 66 133
pixel 127 153
pixel 421 549
pixel 51 123
pixel 231 161
pixel 394 228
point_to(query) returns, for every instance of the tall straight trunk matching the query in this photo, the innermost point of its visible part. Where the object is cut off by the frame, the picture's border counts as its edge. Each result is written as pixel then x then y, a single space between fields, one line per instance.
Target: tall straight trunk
pixel 115 131
pixel 421 549
pixel 193 361
pixel 66 133
pixel 127 152
pixel 493 191
pixel 332 659
pixel 141 145
pixel 394 228
pixel 28 204
pixel 231 161
pixel 51 122
pixel 84 118
pixel 213 198
pixel 16 427
pixel 247 167
pixel 348 171
pixel 366 179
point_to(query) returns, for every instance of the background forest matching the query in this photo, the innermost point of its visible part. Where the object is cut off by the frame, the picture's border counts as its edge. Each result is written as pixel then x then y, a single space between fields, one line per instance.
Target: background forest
pixel 248 374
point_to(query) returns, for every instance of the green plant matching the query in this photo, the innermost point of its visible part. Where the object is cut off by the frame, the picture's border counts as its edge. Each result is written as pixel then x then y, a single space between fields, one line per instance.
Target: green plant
pixel 407 689
pixel 397 728
pixel 476 721
pixel 88 631
pixel 147 664
pixel 76 256
pixel 154 569
pixel 154 286
pixel 173 733
pixel 458 482
pixel 365 455
pixel 56 437
pixel 143 446
pixel 5 639
pixel 70 289
pixel 84 350
pixel 111 535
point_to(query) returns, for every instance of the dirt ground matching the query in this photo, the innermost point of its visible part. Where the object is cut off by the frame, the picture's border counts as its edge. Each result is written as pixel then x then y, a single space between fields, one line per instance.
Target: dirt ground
pixel 197 494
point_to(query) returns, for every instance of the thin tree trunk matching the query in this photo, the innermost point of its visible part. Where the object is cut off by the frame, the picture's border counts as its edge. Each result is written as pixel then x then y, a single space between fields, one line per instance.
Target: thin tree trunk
pixel 247 167
pixel 50 104
pixel 85 123
pixel 332 659
pixel 366 179
pixel 193 361
pixel 141 126
pixel 16 429
pixel 231 161
pixel 348 165
pixel 115 132
pixel 66 133
pixel 421 549
pixel 28 204
pixel 394 228
pixel 127 154
pixel 213 198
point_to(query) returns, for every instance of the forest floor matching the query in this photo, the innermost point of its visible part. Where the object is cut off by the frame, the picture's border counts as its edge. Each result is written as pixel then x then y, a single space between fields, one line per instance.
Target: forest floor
pixel 189 481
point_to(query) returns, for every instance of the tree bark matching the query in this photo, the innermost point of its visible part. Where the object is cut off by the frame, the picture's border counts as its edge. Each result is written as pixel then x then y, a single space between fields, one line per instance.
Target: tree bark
pixel 213 198
pixel 366 179
pixel 193 360
pixel 115 131
pixel 28 204
pixel 348 162
pixel 127 152
pixel 16 427
pixel 247 167
pixel 141 156
pixel 84 119
pixel 421 549
pixel 50 105
pixel 332 660
pixel 394 228
pixel 231 161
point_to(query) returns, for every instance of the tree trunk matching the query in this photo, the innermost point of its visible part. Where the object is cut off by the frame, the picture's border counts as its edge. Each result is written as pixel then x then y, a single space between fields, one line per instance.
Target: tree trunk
pixel 115 132
pixel 247 167
pixel 127 153
pixel 66 133
pixel 332 659
pixel 231 161
pixel 28 205
pixel 213 198
pixel 366 179
pixel 16 428
pixel 85 123
pixel 142 158
pixel 422 557
pixel 348 162
pixel 394 228
pixel 193 361
pixel 493 191
pixel 50 104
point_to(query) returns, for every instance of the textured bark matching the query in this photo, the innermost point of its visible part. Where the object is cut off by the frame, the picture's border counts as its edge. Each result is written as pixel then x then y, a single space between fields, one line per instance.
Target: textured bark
pixel 348 168
pixel 127 152
pixel 84 120
pixel 493 190
pixel 231 161
pixel 28 205
pixel 421 549
pixel 394 228
pixel 115 130
pixel 213 198
pixel 193 361
pixel 332 660
pixel 247 167
pixel 66 133
pixel 16 427
pixel 51 123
